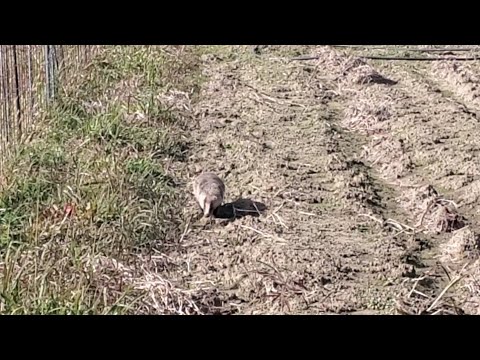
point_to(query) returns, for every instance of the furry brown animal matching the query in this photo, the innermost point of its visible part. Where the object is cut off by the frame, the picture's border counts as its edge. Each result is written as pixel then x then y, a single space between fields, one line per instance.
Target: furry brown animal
pixel 209 191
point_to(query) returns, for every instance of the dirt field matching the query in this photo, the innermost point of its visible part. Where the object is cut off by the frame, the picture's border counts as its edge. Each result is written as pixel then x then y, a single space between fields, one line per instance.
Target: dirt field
pixel 354 185
pixel 368 172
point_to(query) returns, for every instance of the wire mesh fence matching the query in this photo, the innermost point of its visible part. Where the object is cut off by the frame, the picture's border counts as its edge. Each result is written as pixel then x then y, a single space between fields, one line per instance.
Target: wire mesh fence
pixel 30 79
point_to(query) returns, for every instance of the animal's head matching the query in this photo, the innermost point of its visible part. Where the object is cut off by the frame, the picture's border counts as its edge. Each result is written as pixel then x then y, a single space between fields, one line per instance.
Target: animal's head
pixel 208 210
pixel 210 203
pixel 205 203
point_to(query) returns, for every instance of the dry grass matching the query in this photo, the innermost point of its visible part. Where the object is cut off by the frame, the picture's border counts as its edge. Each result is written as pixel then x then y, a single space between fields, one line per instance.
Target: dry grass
pixel 433 213
pixel 472 285
pixel 462 76
pixel 365 116
pixel 464 244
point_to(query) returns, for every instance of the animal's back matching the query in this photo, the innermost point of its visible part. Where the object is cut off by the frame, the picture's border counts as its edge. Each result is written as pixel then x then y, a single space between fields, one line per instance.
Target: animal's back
pixel 209 183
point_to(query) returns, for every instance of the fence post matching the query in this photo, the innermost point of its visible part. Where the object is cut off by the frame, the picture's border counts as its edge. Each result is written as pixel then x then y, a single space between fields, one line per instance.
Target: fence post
pixel 50 67
pixel 17 92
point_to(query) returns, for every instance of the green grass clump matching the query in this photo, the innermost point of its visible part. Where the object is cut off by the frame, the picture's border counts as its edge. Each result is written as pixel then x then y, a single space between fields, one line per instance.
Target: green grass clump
pixel 90 195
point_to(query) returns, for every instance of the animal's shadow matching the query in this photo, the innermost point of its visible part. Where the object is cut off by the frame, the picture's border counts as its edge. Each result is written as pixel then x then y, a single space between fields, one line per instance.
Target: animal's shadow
pixel 240 208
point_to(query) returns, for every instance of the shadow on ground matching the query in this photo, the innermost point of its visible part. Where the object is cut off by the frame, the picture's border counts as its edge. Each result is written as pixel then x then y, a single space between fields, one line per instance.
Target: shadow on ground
pixel 240 208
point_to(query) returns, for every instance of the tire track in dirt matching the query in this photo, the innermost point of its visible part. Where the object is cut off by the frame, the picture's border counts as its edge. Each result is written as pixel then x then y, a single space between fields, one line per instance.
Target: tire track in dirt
pixel 413 145
pixel 272 130
pixel 460 83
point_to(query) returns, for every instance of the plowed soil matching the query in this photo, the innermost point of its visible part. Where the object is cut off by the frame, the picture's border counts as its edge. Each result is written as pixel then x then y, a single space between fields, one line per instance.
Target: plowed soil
pixel 358 181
